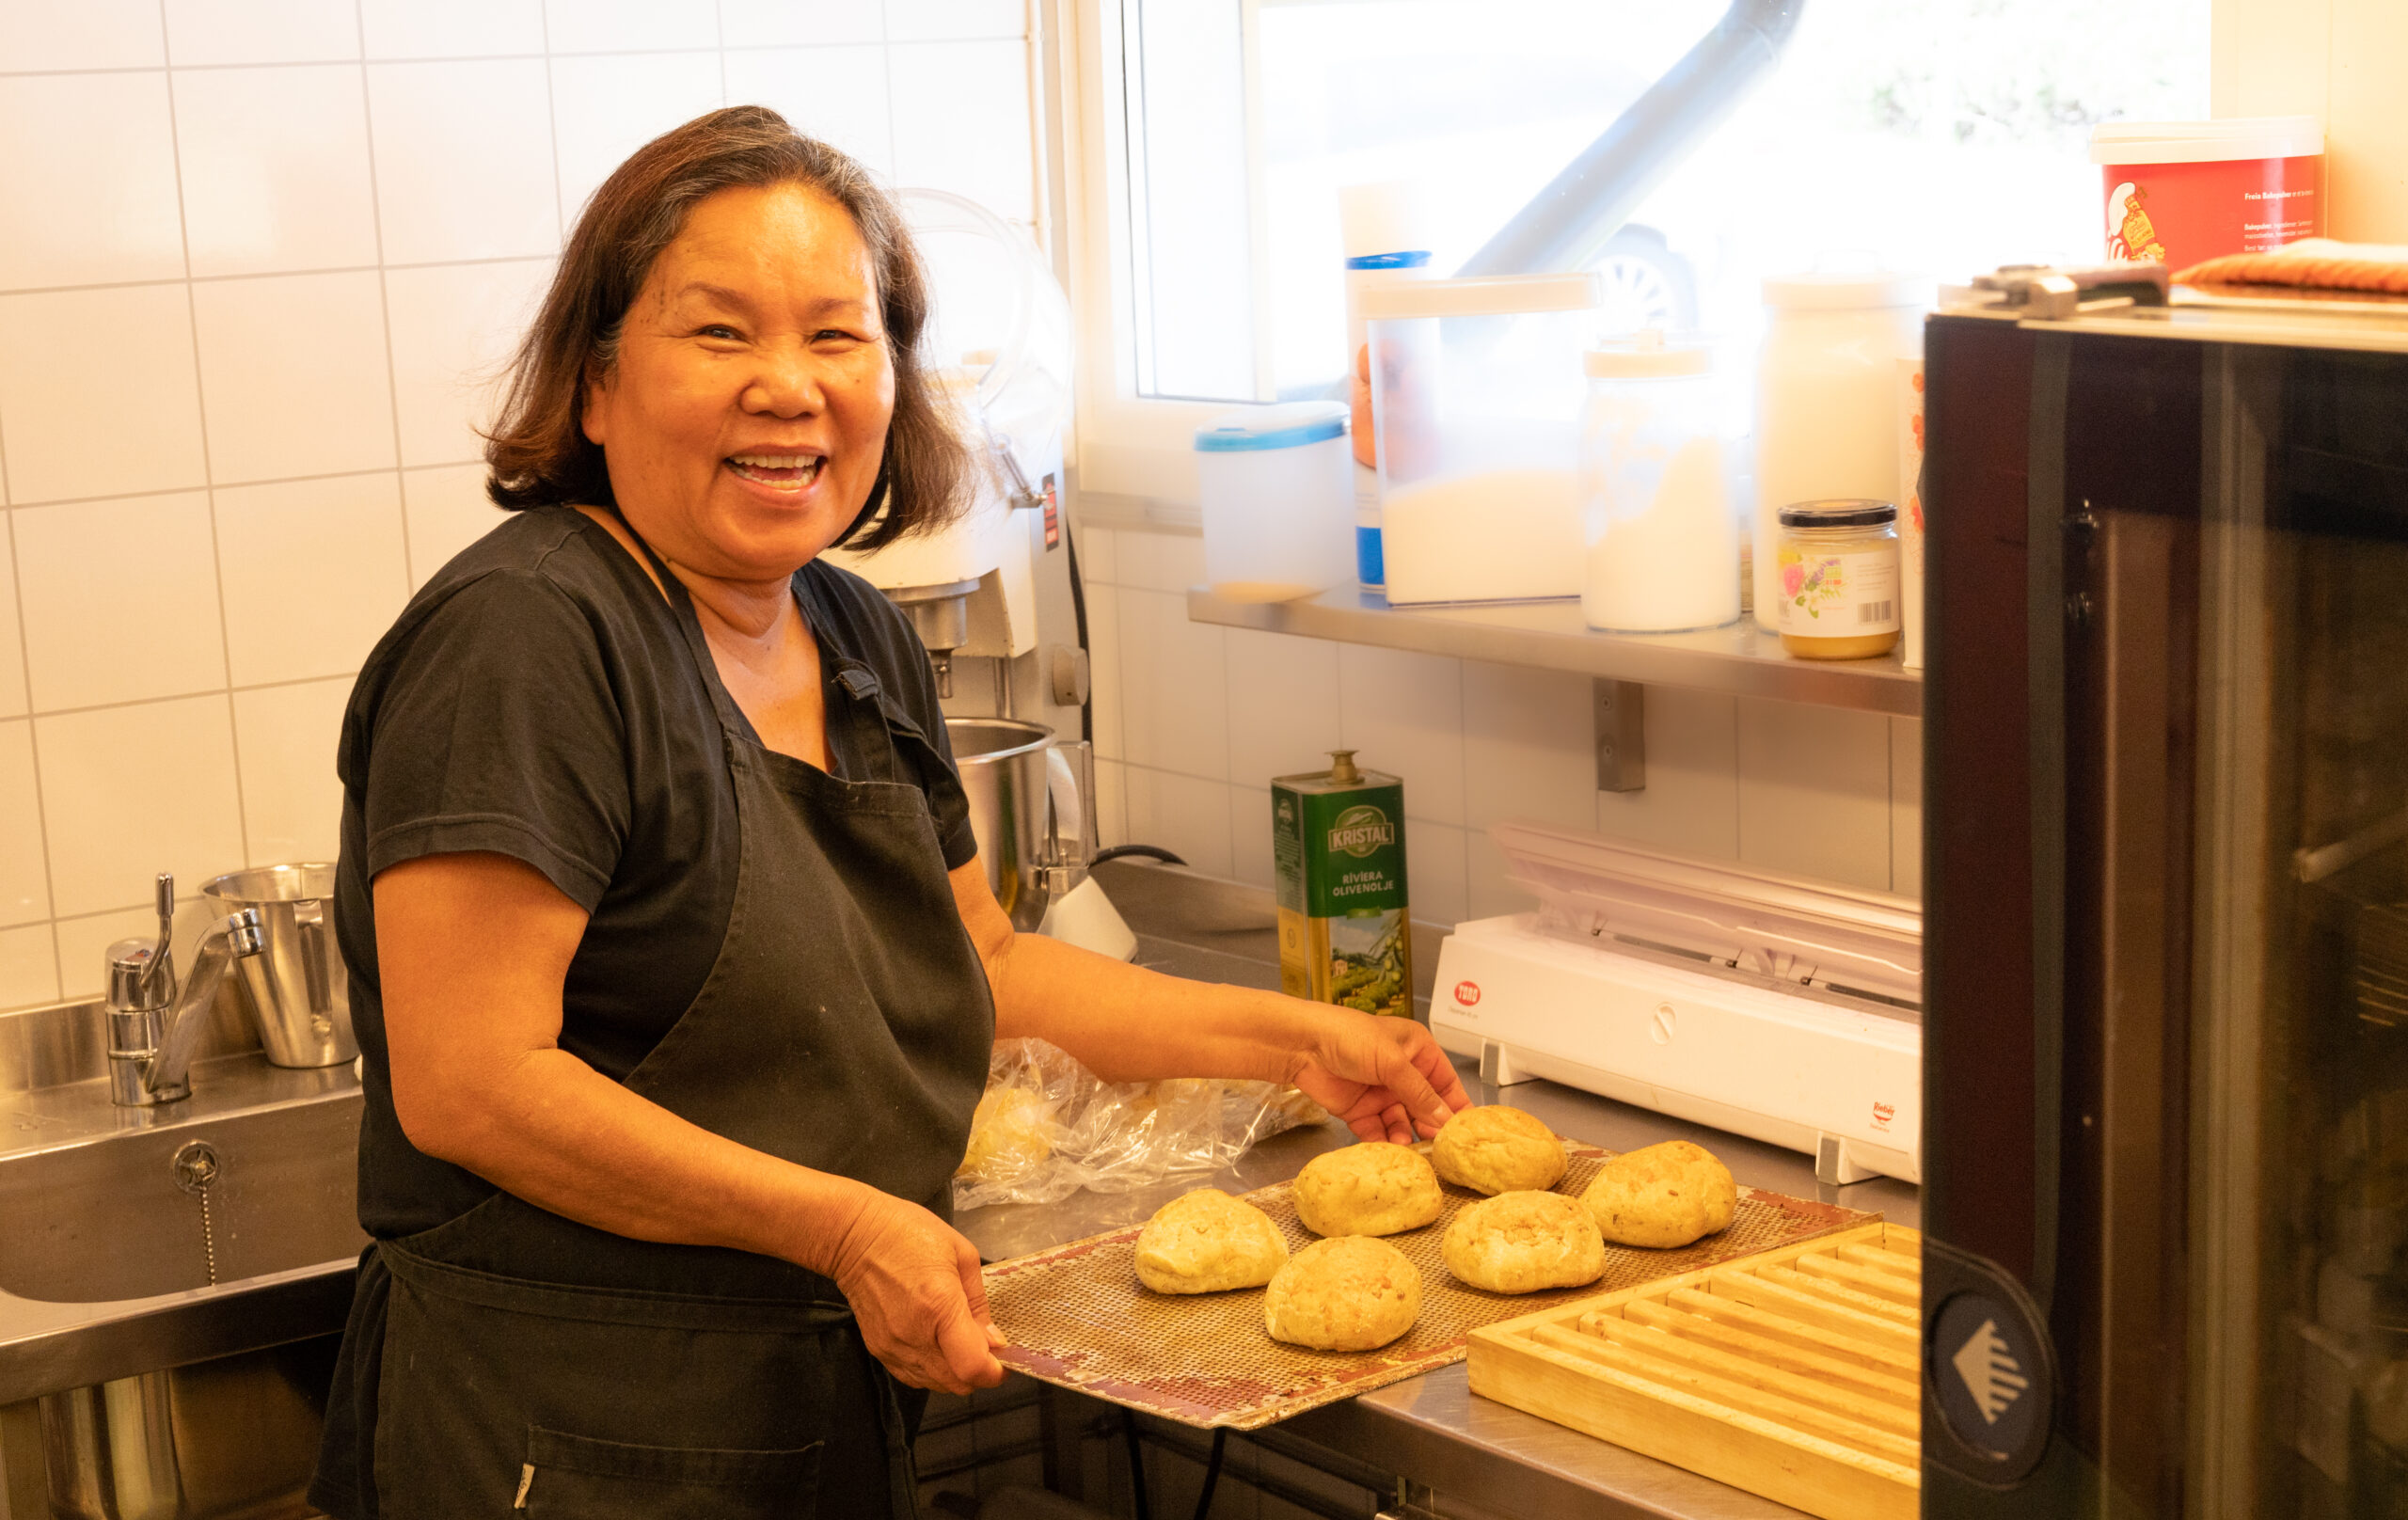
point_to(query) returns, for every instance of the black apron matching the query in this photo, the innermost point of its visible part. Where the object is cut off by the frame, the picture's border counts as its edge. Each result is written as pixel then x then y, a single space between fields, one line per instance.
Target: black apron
pixel 533 1363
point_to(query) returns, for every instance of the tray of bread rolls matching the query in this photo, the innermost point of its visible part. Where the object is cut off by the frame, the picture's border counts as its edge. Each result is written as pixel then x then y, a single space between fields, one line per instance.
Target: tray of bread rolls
pixel 1177 1317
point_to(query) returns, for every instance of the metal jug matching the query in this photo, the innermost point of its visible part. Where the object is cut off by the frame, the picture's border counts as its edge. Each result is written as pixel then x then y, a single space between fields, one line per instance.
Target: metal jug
pixel 299 997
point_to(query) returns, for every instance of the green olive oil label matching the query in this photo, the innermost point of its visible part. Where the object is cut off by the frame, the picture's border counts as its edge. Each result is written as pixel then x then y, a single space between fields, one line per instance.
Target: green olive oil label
pixel 1345 933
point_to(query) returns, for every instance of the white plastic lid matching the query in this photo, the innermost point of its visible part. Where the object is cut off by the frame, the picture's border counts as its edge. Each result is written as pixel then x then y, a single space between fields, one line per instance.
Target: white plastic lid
pixel 1391 216
pixel 1485 295
pixel 1647 357
pixel 1288 425
pixel 1848 290
pixel 2206 142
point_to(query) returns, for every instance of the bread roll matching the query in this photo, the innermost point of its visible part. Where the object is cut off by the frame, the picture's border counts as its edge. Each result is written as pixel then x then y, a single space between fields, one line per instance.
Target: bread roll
pixel 1498 1149
pixel 1374 1188
pixel 1664 1195
pixel 1522 1242
pixel 1009 1135
pixel 1206 1242
pixel 1349 1292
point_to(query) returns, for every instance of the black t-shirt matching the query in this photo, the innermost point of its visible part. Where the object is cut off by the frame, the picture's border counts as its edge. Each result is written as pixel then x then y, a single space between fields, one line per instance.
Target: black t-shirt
pixel 537 698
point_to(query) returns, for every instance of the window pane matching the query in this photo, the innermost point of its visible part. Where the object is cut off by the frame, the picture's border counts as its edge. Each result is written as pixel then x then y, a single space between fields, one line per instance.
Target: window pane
pixel 1938 136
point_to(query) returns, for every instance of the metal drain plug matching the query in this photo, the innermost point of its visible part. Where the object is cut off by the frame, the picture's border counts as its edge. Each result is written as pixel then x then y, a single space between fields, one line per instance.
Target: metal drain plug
pixel 197 1168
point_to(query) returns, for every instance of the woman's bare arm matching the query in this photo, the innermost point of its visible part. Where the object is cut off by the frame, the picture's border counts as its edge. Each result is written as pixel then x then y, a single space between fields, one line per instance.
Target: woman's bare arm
pixel 1385 1077
pixel 472 951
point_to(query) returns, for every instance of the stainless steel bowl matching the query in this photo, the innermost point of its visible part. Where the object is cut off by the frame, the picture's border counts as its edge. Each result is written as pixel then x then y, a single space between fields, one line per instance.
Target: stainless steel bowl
pixel 1002 761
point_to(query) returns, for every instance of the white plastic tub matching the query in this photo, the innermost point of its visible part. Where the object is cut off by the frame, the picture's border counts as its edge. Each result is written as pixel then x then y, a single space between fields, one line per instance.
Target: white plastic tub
pixel 1277 489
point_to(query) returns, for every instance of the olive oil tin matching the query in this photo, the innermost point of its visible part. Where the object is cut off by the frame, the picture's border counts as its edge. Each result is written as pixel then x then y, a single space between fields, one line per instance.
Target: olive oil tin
pixel 1338 841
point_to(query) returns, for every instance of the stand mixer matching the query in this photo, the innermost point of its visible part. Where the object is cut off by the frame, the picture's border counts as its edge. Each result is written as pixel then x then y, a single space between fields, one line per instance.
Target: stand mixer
pixel 992 594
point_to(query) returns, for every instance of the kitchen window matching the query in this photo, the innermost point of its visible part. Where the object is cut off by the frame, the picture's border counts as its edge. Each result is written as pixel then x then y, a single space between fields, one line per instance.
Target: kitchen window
pixel 1934 136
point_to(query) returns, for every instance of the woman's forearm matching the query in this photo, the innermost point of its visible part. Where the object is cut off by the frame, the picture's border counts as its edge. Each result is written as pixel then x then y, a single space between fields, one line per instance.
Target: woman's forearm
pixel 551 1129
pixel 1127 1023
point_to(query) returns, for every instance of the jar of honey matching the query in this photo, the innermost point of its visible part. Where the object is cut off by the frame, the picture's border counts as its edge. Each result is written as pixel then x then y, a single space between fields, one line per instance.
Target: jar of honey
pixel 1837 576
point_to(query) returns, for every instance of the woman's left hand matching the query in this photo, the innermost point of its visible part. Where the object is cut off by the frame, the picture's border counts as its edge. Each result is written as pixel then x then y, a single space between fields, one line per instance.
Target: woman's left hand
pixel 1383 1076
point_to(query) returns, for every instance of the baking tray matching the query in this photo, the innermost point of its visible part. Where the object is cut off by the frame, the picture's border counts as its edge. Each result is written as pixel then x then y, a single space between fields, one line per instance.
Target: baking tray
pixel 1077 1317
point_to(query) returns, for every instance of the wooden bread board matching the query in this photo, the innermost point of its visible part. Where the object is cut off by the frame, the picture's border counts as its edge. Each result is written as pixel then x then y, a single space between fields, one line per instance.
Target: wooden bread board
pixel 1794 1374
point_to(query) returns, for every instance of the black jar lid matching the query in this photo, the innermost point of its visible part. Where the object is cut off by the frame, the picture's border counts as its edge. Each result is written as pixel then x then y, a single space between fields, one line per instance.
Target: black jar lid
pixel 1840 513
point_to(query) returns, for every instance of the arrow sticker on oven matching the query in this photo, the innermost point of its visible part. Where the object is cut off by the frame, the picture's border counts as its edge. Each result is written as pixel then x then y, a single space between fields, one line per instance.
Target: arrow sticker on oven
pixel 1991 1373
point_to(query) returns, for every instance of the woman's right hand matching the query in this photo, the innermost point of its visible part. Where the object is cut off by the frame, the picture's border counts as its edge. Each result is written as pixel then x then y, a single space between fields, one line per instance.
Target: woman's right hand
pixel 918 1295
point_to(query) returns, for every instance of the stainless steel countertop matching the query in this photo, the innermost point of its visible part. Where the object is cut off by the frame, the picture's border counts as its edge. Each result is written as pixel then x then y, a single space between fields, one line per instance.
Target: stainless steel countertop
pixel 1429 1429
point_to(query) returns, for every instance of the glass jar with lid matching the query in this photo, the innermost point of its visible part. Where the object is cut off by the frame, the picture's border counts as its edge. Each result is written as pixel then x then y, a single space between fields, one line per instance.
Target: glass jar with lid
pixel 1836 579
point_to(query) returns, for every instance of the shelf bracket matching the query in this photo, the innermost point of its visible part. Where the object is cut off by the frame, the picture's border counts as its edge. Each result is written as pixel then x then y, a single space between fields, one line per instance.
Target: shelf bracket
pixel 1620 708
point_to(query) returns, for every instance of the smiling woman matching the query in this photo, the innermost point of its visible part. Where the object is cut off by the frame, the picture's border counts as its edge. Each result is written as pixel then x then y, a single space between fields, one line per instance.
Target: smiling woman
pixel 674 970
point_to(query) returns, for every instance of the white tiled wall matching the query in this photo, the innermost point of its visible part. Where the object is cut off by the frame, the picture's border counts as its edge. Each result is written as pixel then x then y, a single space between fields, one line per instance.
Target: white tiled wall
pixel 259 261
pixel 1192 720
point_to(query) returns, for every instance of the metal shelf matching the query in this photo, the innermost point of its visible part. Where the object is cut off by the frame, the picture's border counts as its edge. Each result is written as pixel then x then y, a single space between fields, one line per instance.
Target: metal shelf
pixel 1741 660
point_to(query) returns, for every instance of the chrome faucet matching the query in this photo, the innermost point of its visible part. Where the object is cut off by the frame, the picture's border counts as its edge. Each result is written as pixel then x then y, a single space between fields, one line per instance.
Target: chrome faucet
pixel 152 1026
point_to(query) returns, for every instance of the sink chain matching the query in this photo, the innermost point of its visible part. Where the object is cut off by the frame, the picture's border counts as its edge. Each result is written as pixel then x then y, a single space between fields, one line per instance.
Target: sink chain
pixel 197 1168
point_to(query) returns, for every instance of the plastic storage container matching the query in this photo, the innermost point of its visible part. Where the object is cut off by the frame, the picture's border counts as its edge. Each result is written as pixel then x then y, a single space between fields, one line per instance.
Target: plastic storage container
pixel 1385 230
pixel 1655 507
pixel 1476 397
pixel 2180 192
pixel 1277 488
pixel 1827 400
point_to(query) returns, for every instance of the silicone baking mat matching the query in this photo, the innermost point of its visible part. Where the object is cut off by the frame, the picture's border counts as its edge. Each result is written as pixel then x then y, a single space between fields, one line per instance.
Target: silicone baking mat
pixel 1077 1317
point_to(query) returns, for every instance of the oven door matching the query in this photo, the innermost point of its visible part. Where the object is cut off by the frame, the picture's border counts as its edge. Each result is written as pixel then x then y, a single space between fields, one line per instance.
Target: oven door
pixel 2167 1086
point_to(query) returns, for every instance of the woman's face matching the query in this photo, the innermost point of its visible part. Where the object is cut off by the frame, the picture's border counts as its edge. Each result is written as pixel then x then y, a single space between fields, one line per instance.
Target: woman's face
pixel 745 419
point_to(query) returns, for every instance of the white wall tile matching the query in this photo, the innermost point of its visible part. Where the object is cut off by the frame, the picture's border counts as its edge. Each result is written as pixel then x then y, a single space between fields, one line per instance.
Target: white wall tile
pixel 1691 804
pixel 1099 551
pixel 1105 657
pixel 836 94
pixel 962 123
pixel 1436 870
pixel 1159 560
pixel 747 24
pixel 119 601
pixel 463 160
pixel 293 375
pixel 261 31
pixel 1174 690
pixel 1814 791
pixel 312 573
pixel 65 408
pixel 446 510
pixel 450 28
pixel 1283 704
pixel 1111 803
pixel 28 967
pixel 88 34
pixel 630 25
pixel 924 20
pixel 605 108
pixel 1529 745
pixel 274 168
pixel 24 874
pixel 285 736
pixel 1404 713
pixel 13 649
pixel 88 189
pixel 1183 815
pixel 1906 806
pixel 1251 859
pixel 129 792
pixel 453 330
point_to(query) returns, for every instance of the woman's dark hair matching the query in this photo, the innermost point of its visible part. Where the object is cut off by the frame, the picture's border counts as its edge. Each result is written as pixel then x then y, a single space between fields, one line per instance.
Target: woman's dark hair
pixel 537 448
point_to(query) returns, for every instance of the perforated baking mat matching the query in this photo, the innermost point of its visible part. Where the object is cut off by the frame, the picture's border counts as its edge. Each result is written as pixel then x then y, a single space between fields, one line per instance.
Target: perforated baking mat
pixel 1077 1316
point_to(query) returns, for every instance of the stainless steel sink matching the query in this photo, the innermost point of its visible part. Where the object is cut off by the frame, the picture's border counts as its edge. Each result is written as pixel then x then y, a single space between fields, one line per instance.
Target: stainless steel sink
pixel 182 1205
pixel 170 1278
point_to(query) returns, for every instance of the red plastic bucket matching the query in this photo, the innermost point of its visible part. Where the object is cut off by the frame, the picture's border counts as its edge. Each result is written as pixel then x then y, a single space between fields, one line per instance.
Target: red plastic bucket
pixel 2179 192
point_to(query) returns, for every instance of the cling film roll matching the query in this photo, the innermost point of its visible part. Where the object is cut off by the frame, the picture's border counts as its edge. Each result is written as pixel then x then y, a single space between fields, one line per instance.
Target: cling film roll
pixel 1345 930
